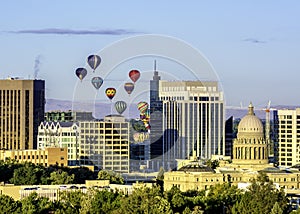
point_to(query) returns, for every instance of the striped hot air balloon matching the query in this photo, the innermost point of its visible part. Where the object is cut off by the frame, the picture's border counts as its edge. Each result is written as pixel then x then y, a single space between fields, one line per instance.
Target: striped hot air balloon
pixel 120 106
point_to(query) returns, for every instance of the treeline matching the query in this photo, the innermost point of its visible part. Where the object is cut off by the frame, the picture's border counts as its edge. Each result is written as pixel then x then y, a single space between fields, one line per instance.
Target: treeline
pixel 261 197
pixel 13 172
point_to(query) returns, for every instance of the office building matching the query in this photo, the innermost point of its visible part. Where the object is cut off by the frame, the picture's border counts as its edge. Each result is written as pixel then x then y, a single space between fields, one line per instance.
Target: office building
pixel 193 120
pixel 60 135
pixel 22 108
pixel 288 137
pixel 46 157
pixel 105 144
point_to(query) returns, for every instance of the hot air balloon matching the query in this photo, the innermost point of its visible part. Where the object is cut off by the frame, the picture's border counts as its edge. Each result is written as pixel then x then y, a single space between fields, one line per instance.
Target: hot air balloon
pixel 129 87
pixel 142 107
pixel 97 82
pixel 81 73
pixel 94 61
pixel 110 92
pixel 120 106
pixel 134 75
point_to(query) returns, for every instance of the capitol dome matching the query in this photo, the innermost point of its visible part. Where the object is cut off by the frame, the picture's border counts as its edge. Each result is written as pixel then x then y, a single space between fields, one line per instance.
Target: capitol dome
pixel 250 125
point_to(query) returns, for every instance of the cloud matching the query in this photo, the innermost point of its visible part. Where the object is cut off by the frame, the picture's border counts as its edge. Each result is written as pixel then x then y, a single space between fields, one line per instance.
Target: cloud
pixel 61 31
pixel 252 40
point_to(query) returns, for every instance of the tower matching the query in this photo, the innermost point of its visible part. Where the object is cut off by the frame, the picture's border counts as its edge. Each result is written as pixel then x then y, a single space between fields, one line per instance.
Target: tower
pixel 22 108
pixel 156 144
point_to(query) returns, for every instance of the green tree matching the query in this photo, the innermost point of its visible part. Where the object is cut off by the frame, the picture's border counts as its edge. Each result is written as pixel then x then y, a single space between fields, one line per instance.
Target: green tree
pixel 177 200
pixel 276 209
pixel 261 197
pixel 25 175
pixel 82 174
pixel 212 163
pixel 70 202
pixel 61 177
pixel 9 205
pixel 221 197
pixel 34 204
pixel 113 177
pixel 104 201
pixel 145 200
pixel 160 178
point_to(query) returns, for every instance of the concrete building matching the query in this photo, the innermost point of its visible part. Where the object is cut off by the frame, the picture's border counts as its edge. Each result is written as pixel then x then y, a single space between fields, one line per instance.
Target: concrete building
pixel 193 120
pixel 22 107
pixel 250 157
pixel 105 144
pixel 288 137
pixel 46 157
pixel 60 135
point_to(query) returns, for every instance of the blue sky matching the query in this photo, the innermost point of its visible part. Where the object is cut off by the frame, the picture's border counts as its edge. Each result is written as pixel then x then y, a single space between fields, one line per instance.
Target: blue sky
pixel 252 45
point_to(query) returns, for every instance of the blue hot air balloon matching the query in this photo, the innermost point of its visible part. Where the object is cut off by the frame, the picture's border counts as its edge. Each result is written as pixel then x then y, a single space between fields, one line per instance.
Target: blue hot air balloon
pixel 81 73
pixel 97 82
pixel 94 61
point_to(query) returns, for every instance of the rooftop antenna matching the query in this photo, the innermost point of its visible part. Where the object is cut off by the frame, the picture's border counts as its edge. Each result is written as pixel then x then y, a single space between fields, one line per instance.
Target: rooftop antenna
pixel 154 65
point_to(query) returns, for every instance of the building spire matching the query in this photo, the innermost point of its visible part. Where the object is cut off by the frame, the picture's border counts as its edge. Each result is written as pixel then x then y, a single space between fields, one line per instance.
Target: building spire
pixel 155 76
pixel 251 109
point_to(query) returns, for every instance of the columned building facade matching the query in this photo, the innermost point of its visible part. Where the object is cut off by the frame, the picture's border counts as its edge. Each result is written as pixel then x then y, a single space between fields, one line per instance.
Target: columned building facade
pixel 250 146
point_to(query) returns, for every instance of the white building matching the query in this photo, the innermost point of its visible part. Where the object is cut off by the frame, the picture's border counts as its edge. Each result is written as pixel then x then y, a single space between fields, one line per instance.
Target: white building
pixel 288 137
pixel 193 120
pixel 60 134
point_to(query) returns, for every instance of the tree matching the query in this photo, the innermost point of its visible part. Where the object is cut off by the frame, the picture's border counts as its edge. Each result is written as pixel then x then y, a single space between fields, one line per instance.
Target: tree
pixel 212 163
pixel 34 204
pixel 276 209
pixel 61 177
pixel 177 200
pixel 104 201
pixel 160 178
pixel 221 197
pixel 70 202
pixel 9 205
pixel 82 174
pixel 113 177
pixel 25 175
pixel 261 197
pixel 145 200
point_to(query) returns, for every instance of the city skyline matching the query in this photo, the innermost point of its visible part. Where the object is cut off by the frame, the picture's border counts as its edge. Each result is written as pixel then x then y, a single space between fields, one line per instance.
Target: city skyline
pixel 251 45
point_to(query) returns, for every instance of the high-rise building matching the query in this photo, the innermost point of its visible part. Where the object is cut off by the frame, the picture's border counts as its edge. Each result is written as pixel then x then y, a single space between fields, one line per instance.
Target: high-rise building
pixel 156 140
pixel 193 120
pixel 229 137
pixel 22 108
pixel 105 144
pixel 288 137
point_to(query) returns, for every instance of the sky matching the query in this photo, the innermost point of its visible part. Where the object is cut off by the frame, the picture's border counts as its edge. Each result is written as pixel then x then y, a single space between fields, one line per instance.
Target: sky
pixel 253 46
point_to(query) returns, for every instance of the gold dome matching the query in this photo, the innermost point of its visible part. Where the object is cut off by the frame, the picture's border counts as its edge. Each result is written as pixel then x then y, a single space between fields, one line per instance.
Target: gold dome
pixel 250 125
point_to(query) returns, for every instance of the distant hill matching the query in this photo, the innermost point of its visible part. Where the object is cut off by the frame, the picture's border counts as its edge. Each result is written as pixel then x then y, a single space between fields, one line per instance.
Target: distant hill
pixel 102 109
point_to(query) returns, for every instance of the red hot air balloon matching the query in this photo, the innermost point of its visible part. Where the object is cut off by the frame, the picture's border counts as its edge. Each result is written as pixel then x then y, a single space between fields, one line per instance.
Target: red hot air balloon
pixel 134 75
pixel 94 61
pixel 110 92
pixel 129 87
pixel 81 73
